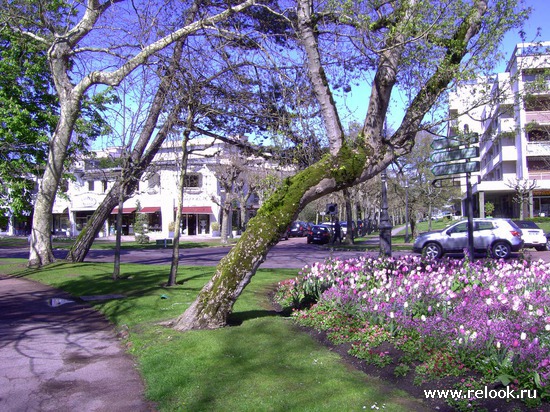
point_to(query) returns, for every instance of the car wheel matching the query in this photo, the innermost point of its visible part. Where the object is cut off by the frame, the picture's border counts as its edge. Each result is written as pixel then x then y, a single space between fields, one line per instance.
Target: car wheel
pixel 501 250
pixel 432 251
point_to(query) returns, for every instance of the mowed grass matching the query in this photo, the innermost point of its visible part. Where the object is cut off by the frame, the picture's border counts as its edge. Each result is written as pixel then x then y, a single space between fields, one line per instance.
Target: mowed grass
pixel 264 363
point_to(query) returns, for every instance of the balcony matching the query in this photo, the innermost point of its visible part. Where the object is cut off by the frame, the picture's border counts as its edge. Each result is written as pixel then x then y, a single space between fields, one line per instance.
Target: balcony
pixel 542 116
pixel 509 153
pixel 539 175
pixel 506 125
pixel 540 149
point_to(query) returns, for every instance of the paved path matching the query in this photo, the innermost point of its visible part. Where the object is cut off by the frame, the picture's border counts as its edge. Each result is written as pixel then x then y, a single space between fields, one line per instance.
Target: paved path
pixel 64 358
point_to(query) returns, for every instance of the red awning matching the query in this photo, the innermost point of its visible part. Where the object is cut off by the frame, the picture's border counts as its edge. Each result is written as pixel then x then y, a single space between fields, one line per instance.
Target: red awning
pixel 150 209
pixel 199 210
pixel 125 210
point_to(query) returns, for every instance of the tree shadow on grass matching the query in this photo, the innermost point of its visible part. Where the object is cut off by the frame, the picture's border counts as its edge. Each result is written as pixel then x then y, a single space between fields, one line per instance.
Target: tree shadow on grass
pixel 238 318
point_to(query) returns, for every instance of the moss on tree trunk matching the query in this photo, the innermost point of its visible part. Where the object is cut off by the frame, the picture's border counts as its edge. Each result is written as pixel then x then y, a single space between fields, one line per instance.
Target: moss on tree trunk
pixel 234 272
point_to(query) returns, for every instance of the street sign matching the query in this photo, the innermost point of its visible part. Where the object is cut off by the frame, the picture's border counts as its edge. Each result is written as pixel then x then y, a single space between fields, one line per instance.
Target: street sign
pixel 465 140
pixel 457 154
pixel 455 168
pixel 446 182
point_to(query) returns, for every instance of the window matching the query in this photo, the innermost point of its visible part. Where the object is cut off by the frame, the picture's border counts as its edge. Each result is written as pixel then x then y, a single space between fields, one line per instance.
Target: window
pixel 192 180
pixel 153 181
pixel 104 185
pixel 460 228
pixel 484 226
pixel 91 185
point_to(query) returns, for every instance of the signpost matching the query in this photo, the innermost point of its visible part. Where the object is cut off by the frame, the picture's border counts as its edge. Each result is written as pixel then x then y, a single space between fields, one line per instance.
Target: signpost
pixel 455 141
pixel 455 168
pixel 452 157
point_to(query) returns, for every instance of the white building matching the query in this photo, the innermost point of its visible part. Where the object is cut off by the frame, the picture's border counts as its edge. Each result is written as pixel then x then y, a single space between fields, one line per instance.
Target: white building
pixel 514 130
pixel 157 194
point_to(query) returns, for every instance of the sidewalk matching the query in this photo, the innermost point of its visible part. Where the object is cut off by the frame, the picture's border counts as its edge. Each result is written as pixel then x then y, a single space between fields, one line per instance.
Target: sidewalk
pixel 61 358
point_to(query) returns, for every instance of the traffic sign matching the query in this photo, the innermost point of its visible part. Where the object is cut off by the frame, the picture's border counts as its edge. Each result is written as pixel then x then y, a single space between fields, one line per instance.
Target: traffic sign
pixel 455 168
pixel 457 154
pixel 465 140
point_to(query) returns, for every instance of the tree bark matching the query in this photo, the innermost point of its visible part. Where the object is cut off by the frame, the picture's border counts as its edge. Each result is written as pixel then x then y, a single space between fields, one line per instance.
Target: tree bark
pixel 41 252
pixel 177 229
pixel 349 219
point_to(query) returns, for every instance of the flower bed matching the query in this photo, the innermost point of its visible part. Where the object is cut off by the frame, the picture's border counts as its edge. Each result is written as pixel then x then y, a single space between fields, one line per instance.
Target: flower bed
pixel 444 318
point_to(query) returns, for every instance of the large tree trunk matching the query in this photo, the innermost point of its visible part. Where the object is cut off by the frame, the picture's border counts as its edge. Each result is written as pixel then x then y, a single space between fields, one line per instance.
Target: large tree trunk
pixel 215 301
pixel 41 252
pixel 343 168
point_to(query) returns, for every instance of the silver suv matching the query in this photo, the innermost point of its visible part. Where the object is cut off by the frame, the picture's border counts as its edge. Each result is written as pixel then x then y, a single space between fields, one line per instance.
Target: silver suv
pixel 500 237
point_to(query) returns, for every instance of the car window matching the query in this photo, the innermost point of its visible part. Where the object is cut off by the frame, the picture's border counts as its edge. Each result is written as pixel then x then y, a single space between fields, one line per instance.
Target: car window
pixel 483 226
pixel 460 228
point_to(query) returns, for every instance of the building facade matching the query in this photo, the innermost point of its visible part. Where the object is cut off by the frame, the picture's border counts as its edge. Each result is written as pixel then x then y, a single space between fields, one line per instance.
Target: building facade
pixel 204 191
pixel 514 134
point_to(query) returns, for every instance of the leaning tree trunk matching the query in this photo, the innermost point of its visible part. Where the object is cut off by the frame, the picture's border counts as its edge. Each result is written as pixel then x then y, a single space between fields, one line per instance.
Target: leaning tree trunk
pixel 86 237
pixel 342 168
pixel 215 301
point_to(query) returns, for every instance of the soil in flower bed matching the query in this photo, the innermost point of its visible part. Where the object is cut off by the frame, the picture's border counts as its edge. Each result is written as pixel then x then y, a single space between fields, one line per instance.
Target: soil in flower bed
pixel 406 383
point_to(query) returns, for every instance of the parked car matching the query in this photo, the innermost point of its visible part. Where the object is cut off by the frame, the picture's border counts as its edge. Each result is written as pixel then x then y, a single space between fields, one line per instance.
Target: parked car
pixel 319 234
pixel 298 229
pixel 533 236
pixel 500 237
pixel 344 228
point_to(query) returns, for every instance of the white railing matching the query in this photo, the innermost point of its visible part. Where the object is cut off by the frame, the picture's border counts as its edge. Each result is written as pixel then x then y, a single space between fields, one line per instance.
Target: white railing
pixel 542 116
pixel 538 149
pixel 539 175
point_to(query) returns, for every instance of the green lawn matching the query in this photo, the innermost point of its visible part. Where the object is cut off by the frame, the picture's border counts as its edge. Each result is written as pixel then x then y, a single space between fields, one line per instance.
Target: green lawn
pixel 264 364
pixel 63 243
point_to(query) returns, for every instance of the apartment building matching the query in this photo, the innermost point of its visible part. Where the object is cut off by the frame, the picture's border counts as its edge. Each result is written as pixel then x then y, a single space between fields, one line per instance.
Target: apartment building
pixel 511 113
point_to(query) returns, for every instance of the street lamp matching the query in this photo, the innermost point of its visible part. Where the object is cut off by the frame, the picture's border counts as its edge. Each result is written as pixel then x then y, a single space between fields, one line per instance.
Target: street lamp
pixel 407 211
pixel 385 225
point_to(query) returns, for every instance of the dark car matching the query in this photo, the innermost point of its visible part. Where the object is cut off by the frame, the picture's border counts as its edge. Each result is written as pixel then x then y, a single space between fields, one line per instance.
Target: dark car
pixel 319 234
pixel 298 229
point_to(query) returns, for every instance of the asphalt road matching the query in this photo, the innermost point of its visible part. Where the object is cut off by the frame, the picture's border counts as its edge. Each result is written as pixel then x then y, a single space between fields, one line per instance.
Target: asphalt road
pixel 292 253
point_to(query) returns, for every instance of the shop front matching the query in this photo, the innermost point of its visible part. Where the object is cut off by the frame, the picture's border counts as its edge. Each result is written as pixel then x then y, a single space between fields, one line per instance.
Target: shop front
pixel 196 220
pixel 128 219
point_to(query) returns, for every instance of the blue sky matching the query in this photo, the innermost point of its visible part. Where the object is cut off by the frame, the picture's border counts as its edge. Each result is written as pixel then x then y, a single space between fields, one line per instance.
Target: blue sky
pixel 540 18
